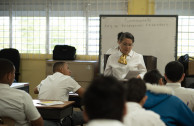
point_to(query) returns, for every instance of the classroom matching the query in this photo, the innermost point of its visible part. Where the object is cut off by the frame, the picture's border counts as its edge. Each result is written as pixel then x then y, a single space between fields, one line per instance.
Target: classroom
pixel 34 27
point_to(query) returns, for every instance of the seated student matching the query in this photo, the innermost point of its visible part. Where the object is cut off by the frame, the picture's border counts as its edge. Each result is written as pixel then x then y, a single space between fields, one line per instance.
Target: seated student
pixel 154 77
pixel 136 115
pixel 58 86
pixel 104 102
pixel 125 60
pixel 14 103
pixel 174 75
pixel 171 109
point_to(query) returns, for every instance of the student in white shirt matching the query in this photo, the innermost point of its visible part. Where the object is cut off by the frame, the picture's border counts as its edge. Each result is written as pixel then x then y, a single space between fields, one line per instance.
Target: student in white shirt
pixel 14 103
pixel 58 86
pixel 104 102
pixel 136 114
pixel 174 75
pixel 133 61
pixel 154 77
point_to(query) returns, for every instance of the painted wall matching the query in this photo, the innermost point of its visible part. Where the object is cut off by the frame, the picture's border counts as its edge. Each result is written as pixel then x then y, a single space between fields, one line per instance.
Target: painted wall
pixel 32 71
pixel 141 7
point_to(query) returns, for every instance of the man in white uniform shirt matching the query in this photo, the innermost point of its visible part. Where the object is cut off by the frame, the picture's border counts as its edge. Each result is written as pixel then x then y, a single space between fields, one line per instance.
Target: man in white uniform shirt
pixel 133 61
pixel 174 75
pixel 104 102
pixel 14 103
pixel 58 86
pixel 136 114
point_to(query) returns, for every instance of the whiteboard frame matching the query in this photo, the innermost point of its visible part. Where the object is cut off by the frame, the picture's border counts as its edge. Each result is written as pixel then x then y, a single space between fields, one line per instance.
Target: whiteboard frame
pixel 130 16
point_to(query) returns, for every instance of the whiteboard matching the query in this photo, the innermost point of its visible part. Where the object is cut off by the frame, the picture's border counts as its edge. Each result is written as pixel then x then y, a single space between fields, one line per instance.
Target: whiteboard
pixel 155 35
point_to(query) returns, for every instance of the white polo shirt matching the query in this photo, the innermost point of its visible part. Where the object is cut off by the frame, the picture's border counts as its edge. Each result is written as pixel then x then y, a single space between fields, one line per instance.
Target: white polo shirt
pixel 185 94
pixel 138 116
pixel 135 62
pixel 18 105
pixel 57 87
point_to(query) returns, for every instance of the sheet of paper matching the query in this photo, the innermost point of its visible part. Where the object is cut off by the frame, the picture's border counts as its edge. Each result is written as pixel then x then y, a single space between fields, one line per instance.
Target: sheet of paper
pixel 51 103
pixel 132 74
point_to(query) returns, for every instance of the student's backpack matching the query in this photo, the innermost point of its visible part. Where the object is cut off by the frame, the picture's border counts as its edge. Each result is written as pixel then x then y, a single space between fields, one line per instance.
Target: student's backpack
pixel 64 52
pixel 184 60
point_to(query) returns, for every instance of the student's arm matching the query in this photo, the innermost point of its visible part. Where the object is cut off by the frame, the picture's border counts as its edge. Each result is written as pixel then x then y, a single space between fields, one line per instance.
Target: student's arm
pixel 38 122
pixel 80 91
pixel 36 90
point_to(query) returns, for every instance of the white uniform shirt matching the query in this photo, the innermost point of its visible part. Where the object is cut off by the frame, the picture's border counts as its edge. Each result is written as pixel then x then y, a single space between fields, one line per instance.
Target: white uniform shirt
pixel 135 62
pixel 57 87
pixel 104 122
pixel 18 105
pixel 185 94
pixel 138 116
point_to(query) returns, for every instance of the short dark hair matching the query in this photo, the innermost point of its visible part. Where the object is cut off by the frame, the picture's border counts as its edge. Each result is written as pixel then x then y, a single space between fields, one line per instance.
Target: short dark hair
pixel 126 35
pixel 104 99
pixel 136 90
pixel 6 66
pixel 174 71
pixel 57 66
pixel 119 35
pixel 152 76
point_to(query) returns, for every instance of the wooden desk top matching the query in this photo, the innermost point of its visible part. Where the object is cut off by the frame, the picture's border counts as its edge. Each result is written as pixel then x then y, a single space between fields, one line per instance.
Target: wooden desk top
pixel 60 106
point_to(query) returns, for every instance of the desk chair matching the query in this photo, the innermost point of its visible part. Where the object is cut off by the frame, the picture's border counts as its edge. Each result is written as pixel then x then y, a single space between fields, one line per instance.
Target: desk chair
pixel 14 56
pixel 75 97
pixel 78 104
pixel 6 121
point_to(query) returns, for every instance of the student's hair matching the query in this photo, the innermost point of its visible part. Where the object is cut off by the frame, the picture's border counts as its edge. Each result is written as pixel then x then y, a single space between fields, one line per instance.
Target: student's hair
pixel 6 66
pixel 104 99
pixel 119 35
pixel 174 71
pixel 126 35
pixel 57 66
pixel 152 76
pixel 136 90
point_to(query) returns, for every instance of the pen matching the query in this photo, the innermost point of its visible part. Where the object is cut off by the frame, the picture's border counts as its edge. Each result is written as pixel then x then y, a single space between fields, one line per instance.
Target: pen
pixel 40 103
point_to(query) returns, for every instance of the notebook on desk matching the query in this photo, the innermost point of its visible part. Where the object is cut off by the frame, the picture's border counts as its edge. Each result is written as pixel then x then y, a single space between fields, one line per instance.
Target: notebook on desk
pixel 132 74
pixel 48 103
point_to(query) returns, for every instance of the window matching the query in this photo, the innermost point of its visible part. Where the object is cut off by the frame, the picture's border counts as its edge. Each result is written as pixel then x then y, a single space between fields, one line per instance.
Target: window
pixel 36 26
pixel 68 30
pixel 185 35
pixel 185 11
pixel 4 32
pixel 29 34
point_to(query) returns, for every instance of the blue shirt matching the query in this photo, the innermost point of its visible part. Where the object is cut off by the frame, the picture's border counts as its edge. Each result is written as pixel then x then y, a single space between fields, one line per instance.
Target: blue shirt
pixel 170 108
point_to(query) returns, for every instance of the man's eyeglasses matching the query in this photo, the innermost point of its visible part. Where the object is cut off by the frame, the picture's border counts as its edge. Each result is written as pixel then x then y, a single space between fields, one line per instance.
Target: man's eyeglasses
pixel 125 44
